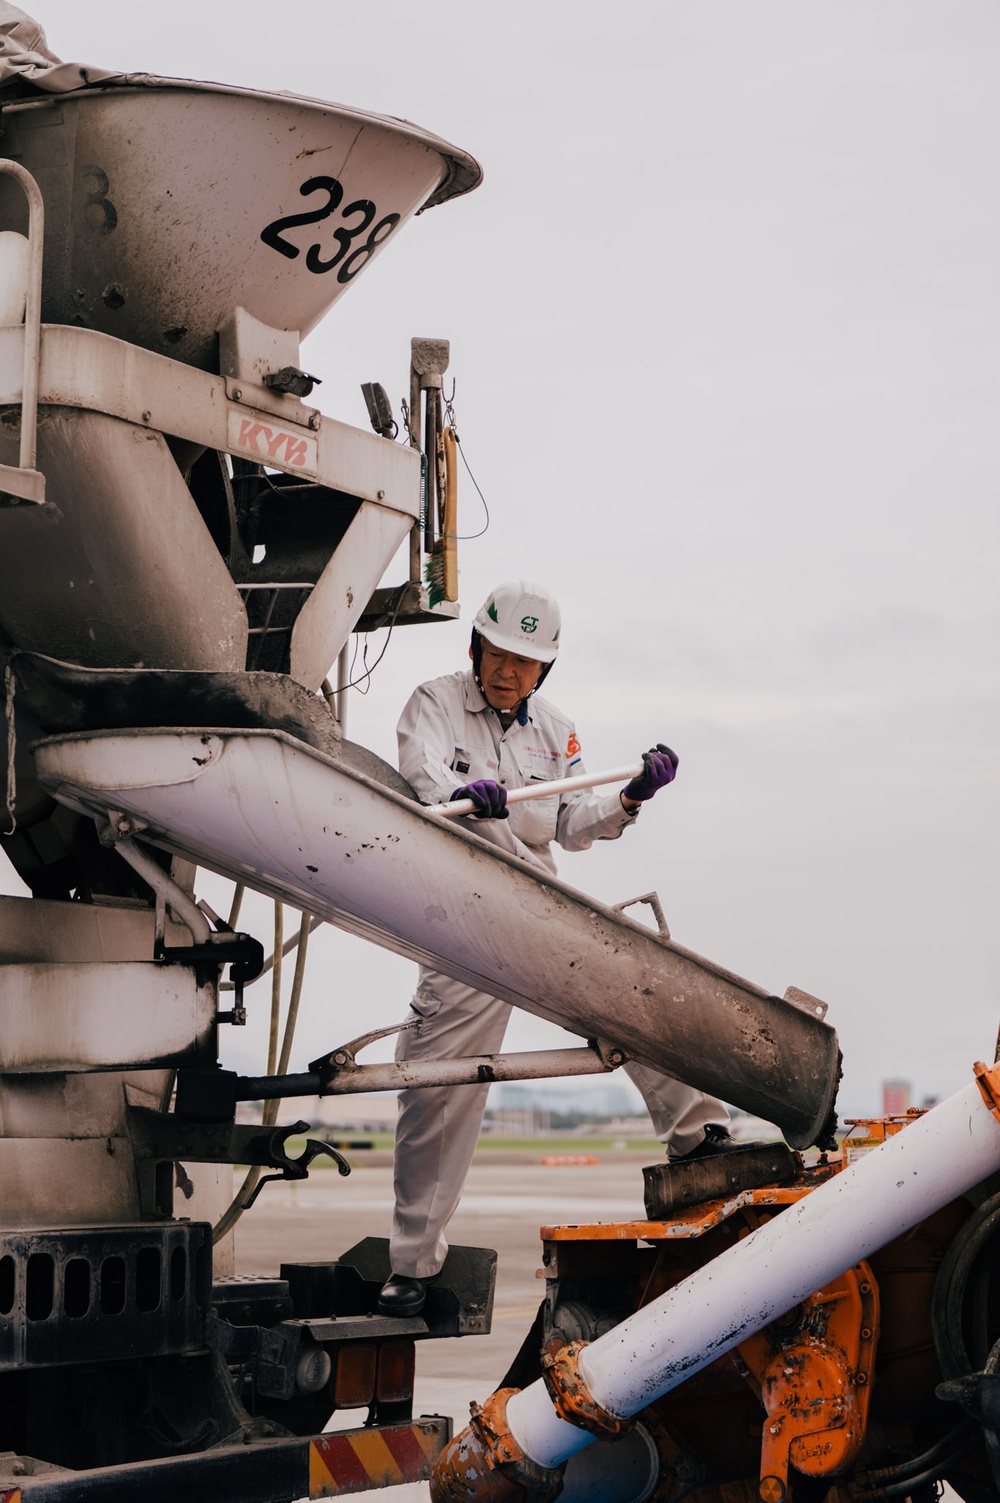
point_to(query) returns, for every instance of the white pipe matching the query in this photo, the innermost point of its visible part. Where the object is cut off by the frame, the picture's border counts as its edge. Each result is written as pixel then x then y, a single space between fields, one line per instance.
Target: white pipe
pixel 543 789
pixel 892 1188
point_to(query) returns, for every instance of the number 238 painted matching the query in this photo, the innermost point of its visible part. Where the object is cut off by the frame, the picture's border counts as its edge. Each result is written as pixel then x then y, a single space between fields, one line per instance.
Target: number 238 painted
pixel 357 219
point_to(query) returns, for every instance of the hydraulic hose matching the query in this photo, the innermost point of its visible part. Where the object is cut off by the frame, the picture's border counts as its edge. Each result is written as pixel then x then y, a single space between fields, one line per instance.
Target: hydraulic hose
pixel 932 1473
pixel 962 1285
pixel 277 1063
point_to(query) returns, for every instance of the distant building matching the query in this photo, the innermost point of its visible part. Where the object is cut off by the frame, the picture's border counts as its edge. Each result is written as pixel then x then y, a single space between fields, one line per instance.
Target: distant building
pixel 361 1112
pixel 518 1122
pixel 895 1098
pixel 592 1095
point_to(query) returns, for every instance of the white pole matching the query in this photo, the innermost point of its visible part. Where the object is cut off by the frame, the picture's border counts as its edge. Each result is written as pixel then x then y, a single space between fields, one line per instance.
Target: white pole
pixel 470 1069
pixel 543 789
pixel 892 1188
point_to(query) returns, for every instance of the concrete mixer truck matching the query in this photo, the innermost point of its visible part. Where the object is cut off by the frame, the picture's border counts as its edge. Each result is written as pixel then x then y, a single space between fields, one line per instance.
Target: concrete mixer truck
pixel 187 544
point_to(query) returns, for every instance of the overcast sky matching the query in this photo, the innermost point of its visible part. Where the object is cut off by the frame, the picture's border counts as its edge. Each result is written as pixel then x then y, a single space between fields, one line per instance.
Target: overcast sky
pixel 724 323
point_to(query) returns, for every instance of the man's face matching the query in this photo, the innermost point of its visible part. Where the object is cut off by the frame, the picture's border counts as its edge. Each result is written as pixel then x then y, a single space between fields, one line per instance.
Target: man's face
pixel 507 677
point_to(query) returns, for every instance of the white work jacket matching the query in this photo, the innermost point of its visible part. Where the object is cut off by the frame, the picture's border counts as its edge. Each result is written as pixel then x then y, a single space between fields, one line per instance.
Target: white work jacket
pixel 449 736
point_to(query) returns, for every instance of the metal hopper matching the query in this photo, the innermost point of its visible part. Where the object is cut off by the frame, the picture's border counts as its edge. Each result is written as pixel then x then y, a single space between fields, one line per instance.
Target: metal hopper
pixel 164 195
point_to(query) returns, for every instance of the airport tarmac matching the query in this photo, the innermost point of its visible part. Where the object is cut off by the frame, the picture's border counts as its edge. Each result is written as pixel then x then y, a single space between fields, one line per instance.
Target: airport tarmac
pixel 508 1196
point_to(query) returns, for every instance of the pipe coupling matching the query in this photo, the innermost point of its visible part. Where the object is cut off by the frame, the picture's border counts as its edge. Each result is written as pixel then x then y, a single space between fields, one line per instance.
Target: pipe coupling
pixel 572 1399
pixel 485 1464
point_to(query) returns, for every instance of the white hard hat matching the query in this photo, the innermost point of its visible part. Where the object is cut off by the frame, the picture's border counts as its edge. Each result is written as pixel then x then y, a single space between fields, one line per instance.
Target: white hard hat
pixel 521 616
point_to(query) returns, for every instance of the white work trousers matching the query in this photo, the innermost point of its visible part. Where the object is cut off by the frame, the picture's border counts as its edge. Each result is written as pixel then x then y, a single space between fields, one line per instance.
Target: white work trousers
pixel 438 1126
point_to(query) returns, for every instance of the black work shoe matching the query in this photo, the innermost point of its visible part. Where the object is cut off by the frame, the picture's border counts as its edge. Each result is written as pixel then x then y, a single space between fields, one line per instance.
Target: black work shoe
pixel 402 1295
pixel 716 1140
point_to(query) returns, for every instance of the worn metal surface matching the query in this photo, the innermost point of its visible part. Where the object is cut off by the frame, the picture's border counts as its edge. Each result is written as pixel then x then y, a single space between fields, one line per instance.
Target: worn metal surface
pixel 32 930
pixel 80 1017
pixel 117 569
pixel 78 1180
pixel 66 1154
pixel 684 1223
pixel 326 839
pixel 163 197
pixel 84 369
pixel 324 624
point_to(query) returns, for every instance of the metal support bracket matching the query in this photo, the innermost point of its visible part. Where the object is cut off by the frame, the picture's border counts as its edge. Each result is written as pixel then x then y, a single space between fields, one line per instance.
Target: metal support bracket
pixel 272 1353
pixel 651 899
pixel 168 1138
pixel 612 1056
pixel 212 948
pixel 806 1002
pixel 344 1057
pixel 242 953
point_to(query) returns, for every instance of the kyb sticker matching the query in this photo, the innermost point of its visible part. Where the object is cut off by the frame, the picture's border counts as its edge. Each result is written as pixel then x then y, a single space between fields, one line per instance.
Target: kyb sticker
pixel 272 445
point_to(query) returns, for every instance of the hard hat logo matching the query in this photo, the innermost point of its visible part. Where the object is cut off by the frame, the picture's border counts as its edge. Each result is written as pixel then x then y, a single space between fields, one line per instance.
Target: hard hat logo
pixel 529 623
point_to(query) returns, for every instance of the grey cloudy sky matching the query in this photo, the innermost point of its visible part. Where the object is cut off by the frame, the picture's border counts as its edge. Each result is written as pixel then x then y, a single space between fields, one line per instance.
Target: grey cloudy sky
pixel 724 322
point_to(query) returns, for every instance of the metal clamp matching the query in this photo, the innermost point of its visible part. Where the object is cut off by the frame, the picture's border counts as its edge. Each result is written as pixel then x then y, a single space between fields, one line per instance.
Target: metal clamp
pixel 485 1464
pixel 573 1400
pixel 500 1449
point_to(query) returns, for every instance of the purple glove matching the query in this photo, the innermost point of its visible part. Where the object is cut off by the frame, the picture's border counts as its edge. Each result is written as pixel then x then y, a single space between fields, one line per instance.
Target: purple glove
pixel 489 798
pixel 659 769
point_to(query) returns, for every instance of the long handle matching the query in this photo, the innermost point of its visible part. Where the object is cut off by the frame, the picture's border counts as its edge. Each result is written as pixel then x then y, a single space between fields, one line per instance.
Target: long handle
pixel 543 790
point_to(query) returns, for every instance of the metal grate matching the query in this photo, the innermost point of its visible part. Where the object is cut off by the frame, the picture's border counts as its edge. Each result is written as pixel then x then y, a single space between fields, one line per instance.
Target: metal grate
pixel 266 633
pixel 103 1292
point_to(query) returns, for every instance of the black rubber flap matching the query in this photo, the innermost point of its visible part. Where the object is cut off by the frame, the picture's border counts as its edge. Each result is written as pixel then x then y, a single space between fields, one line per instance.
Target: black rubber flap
pixel 672 1187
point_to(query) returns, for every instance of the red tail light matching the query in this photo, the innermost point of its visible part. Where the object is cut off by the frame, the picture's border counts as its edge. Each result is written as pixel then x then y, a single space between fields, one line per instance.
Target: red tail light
pixel 354 1385
pixel 396 1361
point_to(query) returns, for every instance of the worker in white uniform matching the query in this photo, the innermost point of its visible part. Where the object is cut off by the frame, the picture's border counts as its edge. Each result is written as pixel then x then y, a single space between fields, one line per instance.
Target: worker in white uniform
pixel 477 735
